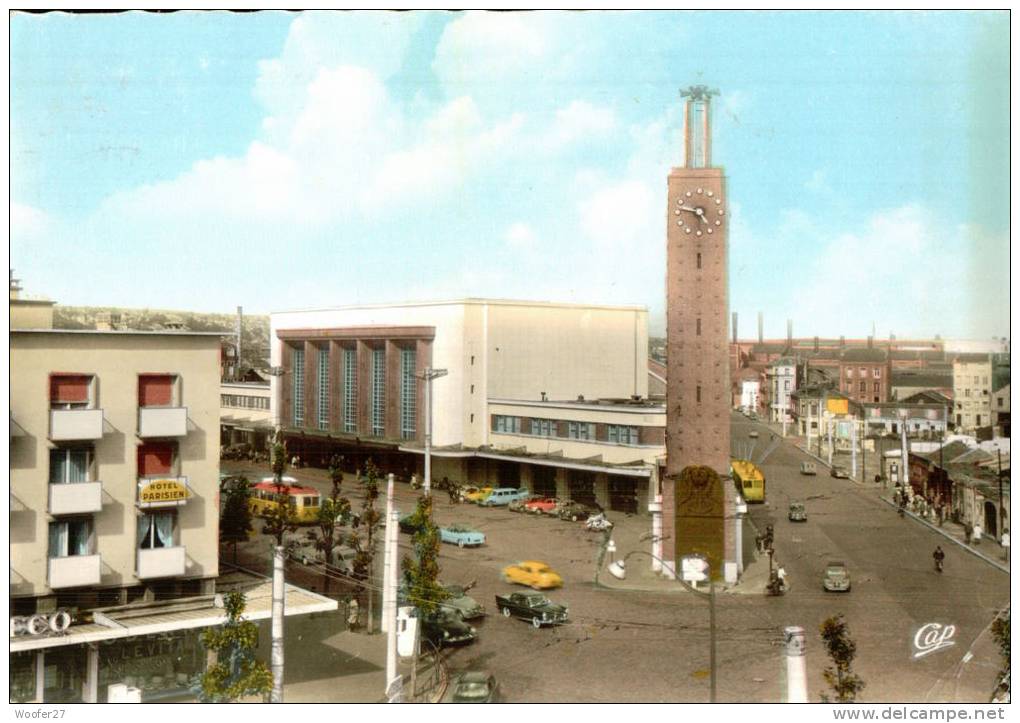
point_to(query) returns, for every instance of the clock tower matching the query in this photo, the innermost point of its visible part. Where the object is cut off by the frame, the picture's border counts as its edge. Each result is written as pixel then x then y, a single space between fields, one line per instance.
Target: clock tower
pixel 698 382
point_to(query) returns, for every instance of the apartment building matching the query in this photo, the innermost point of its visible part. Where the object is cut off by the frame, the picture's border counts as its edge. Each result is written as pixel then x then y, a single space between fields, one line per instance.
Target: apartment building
pixel 782 381
pixel 114 498
pixel 865 374
pixel 551 396
pixel 246 415
pixel 972 392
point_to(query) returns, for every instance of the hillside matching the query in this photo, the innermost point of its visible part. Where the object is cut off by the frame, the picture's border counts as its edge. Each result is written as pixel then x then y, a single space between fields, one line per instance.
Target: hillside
pixel 254 328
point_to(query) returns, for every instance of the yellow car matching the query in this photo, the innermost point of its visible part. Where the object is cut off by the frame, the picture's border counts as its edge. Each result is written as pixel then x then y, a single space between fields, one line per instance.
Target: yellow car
pixel 535 574
pixel 478 495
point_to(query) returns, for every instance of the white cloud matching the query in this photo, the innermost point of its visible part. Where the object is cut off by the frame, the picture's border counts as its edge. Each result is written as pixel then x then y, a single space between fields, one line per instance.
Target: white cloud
pixel 28 221
pixel 580 122
pixel 907 269
pixel 520 237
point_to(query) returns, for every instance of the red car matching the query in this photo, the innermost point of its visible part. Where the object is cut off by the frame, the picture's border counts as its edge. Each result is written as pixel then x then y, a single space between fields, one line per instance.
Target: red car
pixel 542 505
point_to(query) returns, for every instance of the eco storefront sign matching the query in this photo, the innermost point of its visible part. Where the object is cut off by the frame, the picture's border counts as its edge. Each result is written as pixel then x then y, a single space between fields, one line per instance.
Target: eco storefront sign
pixel 161 492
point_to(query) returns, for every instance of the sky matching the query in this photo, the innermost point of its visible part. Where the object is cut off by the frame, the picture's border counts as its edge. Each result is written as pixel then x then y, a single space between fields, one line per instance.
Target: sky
pixel 274 160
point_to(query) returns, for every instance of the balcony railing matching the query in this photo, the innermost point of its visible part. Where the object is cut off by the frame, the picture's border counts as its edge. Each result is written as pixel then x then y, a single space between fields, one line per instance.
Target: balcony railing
pixel 75 571
pixel 162 421
pixel 76 498
pixel 161 562
pixel 68 425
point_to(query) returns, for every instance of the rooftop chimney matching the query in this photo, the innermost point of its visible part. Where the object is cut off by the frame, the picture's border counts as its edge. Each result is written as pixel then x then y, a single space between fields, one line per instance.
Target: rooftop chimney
pixel 870 341
pixel 789 332
pixel 816 343
pixel 761 328
pixel 842 342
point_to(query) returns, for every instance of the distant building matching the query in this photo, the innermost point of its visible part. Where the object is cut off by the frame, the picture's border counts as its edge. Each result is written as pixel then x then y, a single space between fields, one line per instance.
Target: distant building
pixel 972 390
pixel 864 374
pixel 977 346
pixel 921 421
pixel 1000 410
pixel 782 382
pixel 246 415
pixel 906 384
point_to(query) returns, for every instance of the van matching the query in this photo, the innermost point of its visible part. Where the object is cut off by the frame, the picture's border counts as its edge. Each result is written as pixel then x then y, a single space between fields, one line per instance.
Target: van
pixel 504 496
pixel 808 468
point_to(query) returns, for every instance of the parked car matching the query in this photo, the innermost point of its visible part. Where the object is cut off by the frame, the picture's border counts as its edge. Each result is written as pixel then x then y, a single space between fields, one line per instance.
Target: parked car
pixel 836 577
pixel 575 511
pixel 797 512
pixel 840 472
pixel 446 627
pixel 472 687
pixel 479 494
pixel 542 505
pixel 808 468
pixel 531 572
pixel 406 524
pixel 517 505
pixel 459 600
pixel 533 607
pixel 461 536
pixel 504 496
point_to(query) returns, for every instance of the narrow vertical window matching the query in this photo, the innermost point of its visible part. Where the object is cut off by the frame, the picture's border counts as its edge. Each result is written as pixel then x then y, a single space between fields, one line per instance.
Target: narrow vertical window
pixel 698 328
pixel 350 391
pixel 408 393
pixel 323 401
pixel 378 392
pixel 298 372
pixel 697 397
pixel 699 260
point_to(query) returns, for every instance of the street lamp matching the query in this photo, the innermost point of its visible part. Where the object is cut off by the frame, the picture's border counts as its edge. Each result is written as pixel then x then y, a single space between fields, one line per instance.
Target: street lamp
pixel 690 565
pixel 428 375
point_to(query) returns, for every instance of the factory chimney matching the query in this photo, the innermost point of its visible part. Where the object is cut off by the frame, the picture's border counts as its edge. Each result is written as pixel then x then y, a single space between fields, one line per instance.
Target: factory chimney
pixel 761 328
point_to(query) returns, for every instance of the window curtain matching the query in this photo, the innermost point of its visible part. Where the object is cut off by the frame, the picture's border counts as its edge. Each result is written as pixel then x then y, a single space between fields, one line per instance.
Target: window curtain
pixel 79 533
pixel 78 468
pixel 165 529
pixel 58 539
pixel 57 459
pixel 144 527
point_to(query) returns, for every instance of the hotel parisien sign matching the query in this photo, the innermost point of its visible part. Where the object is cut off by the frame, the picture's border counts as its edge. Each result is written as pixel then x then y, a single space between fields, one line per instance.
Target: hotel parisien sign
pixel 163 492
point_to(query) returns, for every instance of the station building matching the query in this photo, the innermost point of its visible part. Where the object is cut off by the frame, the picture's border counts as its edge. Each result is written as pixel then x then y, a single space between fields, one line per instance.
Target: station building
pixel 549 396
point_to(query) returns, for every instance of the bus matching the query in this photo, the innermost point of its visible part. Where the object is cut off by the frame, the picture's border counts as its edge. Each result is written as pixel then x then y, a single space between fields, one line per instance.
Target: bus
pixel 306 500
pixel 750 480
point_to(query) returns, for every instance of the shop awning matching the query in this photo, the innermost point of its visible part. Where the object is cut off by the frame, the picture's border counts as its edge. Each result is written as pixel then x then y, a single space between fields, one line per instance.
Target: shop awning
pixel 127 621
pixel 555 459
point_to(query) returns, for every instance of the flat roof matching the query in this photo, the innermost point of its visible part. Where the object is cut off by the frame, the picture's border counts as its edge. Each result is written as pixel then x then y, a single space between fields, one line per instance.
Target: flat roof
pixel 124 332
pixel 472 301
pixel 644 406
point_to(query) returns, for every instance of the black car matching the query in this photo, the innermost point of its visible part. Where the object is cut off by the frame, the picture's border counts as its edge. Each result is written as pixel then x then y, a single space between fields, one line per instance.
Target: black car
pixel 532 606
pixel 406 524
pixel 575 511
pixel 446 627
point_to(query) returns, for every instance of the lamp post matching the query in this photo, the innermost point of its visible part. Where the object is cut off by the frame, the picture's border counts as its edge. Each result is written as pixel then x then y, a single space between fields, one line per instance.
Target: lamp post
pixel 739 538
pixel 618 570
pixel 428 375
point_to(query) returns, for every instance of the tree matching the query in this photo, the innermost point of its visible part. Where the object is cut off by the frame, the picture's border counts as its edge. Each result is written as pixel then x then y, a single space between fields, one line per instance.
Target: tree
pixel 235 521
pixel 335 510
pixel 421 573
pixel 234 671
pixel 368 519
pixel 281 517
pixel 1000 633
pixel 842 650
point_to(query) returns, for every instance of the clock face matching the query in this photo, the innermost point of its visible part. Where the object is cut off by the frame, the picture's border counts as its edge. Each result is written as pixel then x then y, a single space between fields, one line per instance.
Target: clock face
pixel 699 212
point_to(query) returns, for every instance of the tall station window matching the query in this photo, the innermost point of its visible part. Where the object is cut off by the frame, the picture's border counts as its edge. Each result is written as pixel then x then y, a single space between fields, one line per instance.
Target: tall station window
pixel 323 401
pixel 350 390
pixel 298 372
pixel 379 392
pixel 408 393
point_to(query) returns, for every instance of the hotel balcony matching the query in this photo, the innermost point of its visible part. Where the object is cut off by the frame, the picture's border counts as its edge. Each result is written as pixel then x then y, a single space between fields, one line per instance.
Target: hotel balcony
pixel 161 562
pixel 72 425
pixel 76 498
pixel 162 421
pixel 74 571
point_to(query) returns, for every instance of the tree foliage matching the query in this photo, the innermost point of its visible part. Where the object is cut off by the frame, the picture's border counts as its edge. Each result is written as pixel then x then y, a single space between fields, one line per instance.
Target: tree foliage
pixel 842 650
pixel 236 673
pixel 281 517
pixel 334 510
pixel 235 520
pixel 1000 633
pixel 421 572
pixel 366 522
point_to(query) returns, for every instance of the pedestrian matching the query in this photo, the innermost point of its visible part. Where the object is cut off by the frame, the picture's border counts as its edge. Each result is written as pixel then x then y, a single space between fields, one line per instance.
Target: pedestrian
pixel 352 613
pixel 977 533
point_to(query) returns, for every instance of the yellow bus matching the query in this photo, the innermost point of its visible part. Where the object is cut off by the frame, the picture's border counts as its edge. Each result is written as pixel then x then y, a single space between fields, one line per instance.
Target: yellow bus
pixel 750 480
pixel 306 500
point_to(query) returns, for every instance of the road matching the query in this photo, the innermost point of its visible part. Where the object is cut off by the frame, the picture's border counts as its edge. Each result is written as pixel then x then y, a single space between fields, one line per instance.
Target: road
pixel 631 646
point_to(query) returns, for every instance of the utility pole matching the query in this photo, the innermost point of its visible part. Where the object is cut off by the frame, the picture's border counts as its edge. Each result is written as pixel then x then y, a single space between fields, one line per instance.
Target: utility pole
pixel 828 430
pixel 391 622
pixel 1002 512
pixel 389 600
pixel 853 448
pixel 428 375
pixel 796 665
pixel 864 448
pixel 276 696
pixel 904 452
